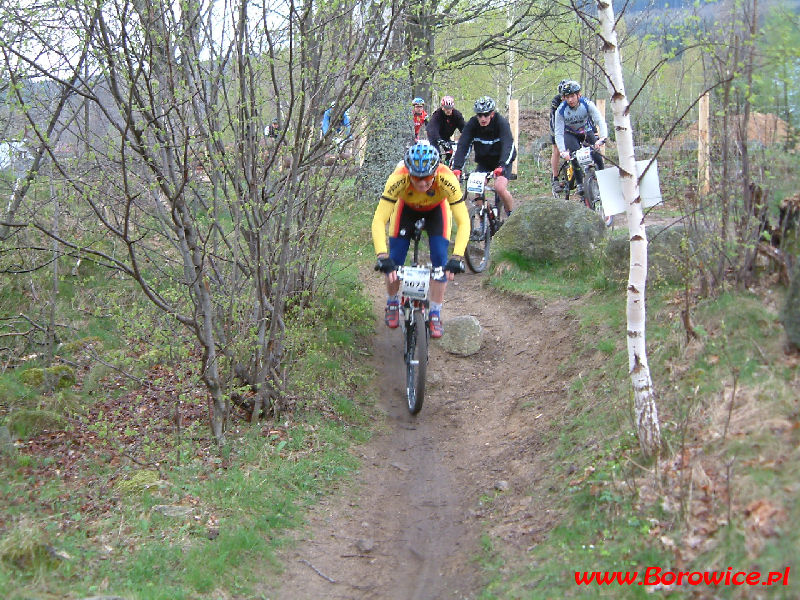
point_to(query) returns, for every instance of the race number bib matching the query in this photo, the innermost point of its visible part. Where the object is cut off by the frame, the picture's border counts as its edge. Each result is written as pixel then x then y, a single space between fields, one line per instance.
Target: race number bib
pixel 416 281
pixel 584 156
pixel 476 182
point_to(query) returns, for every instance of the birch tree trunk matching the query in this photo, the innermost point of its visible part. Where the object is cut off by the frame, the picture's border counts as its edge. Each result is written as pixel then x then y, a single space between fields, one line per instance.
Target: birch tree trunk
pixel 646 412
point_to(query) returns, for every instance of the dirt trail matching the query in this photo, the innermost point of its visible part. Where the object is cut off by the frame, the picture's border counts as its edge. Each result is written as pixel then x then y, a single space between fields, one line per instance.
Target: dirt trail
pixel 408 527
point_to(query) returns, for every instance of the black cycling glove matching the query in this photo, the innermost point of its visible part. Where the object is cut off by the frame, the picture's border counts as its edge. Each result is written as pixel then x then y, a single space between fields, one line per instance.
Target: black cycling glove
pixel 385 265
pixel 454 265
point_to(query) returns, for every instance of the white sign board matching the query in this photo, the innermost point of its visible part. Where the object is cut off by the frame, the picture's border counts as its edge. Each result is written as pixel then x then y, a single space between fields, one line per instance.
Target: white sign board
pixel 611 188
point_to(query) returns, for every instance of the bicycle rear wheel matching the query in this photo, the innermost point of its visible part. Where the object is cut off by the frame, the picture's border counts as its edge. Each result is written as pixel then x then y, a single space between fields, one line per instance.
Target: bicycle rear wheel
pixel 480 240
pixel 416 362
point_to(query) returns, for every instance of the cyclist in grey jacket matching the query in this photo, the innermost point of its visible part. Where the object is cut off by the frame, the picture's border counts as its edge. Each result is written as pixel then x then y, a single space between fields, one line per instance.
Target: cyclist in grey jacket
pixel 575 122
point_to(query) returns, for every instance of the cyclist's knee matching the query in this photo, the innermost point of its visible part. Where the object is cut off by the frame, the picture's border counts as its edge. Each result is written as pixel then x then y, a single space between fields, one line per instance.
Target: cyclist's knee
pixel 398 248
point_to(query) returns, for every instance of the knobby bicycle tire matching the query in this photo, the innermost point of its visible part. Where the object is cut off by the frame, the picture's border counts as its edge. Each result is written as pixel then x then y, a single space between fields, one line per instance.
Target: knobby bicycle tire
pixel 416 362
pixel 592 192
pixel 480 240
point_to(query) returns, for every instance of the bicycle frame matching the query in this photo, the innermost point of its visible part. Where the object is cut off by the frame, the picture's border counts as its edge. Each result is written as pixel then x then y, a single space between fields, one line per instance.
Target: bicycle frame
pixel 583 159
pixel 485 220
pixel 446 151
pixel 414 304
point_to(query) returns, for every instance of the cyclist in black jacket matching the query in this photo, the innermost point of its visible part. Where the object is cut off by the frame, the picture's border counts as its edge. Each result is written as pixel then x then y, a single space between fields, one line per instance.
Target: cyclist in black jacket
pixel 443 123
pixel 489 134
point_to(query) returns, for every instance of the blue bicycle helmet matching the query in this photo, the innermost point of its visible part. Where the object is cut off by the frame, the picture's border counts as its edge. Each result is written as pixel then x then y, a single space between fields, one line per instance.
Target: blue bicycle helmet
pixel 421 160
pixel 418 100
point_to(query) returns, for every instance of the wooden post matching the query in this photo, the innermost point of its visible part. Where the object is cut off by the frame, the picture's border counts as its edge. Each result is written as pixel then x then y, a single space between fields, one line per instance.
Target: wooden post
pixel 600 103
pixel 513 120
pixel 704 145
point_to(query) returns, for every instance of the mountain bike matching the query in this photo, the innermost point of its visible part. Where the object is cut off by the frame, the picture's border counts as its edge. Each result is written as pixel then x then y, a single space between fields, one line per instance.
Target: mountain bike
pixel 447 149
pixel 484 220
pixel 589 192
pixel 414 288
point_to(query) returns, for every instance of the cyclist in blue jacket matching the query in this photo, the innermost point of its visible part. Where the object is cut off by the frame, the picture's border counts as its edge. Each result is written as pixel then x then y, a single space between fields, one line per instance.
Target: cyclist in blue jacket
pixel 343 128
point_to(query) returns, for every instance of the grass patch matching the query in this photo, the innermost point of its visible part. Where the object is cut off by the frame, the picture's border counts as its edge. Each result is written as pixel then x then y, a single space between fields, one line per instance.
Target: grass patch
pixel 552 280
pixel 97 492
pixel 723 492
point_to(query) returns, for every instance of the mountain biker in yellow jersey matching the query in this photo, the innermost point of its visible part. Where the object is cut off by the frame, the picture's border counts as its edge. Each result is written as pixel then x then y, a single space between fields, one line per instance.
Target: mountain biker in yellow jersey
pixel 575 122
pixel 489 134
pixel 420 187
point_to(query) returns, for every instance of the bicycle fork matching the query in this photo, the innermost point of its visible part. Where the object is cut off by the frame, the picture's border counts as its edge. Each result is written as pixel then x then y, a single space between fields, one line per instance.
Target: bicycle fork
pixel 410 315
pixel 492 212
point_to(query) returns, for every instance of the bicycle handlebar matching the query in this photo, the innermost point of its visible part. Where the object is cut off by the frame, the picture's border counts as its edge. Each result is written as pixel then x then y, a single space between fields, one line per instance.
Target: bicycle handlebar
pixel 435 272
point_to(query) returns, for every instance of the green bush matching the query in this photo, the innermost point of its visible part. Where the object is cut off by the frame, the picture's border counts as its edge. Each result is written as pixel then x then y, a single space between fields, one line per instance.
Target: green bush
pixel 59 376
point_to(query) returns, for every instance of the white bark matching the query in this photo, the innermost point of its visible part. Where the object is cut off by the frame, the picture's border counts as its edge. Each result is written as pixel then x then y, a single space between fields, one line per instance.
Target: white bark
pixel 645 409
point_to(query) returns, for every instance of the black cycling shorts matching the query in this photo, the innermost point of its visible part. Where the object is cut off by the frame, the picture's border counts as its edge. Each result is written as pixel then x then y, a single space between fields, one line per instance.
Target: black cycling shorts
pixel 490 164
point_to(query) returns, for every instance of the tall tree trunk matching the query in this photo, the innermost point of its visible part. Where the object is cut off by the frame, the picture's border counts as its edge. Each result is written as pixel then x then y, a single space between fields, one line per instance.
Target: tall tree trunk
pixel 752 213
pixel 420 44
pixel 646 412
pixel 391 133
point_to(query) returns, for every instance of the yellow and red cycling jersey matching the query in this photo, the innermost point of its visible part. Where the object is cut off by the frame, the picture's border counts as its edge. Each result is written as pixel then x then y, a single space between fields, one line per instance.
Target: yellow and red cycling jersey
pixel 399 193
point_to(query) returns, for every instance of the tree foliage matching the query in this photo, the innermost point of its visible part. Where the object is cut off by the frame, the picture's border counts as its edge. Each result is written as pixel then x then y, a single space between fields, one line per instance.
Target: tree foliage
pixel 172 181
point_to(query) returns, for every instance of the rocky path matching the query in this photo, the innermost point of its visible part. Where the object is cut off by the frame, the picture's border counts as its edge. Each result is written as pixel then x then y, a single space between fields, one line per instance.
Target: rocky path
pixel 408 526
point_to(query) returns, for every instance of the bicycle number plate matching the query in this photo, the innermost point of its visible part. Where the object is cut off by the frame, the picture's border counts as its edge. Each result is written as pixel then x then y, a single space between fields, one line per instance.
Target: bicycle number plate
pixel 584 156
pixel 476 182
pixel 416 281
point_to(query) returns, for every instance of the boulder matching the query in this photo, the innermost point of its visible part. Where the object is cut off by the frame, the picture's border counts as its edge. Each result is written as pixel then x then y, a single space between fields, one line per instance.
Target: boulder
pixel 549 230
pixel 462 336
pixel 57 376
pixel 27 423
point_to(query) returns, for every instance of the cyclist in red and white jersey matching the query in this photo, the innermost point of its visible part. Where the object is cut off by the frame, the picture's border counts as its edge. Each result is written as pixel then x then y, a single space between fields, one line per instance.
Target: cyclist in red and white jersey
pixel 444 121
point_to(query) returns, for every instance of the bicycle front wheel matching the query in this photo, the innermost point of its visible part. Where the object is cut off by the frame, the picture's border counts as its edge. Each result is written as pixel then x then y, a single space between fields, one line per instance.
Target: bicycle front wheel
pixel 592 192
pixel 480 240
pixel 416 362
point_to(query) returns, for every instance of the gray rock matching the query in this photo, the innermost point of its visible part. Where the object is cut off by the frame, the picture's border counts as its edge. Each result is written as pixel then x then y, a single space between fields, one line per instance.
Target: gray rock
pixel 365 545
pixel 462 335
pixel 501 486
pixel 791 311
pixel 549 230
pixel 173 510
